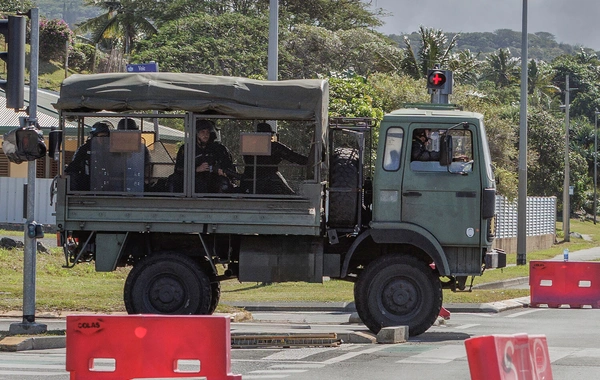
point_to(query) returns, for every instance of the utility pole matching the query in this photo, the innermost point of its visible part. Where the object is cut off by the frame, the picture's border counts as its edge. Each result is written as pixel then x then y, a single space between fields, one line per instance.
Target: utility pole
pixel 522 194
pixel 595 163
pixel 566 202
pixel 273 57
pixel 28 324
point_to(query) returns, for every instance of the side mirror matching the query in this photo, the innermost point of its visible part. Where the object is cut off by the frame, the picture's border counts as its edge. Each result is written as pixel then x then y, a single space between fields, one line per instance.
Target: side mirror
pixel 446 150
pixel 54 141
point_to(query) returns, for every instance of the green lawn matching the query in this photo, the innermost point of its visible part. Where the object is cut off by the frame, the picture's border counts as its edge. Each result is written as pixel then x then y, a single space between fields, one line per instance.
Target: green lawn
pixel 83 289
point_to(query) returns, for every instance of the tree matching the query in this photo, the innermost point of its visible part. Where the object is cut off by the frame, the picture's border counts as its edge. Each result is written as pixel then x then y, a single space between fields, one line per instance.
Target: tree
pixel 124 21
pixel 501 68
pixel 435 49
pixel 540 88
pixel 14 6
pixel 54 36
pixel 229 44
pixel 310 51
pixel 465 67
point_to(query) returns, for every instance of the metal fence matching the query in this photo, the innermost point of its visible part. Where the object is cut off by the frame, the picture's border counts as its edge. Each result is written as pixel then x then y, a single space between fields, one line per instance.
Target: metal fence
pixel 12 197
pixel 541 216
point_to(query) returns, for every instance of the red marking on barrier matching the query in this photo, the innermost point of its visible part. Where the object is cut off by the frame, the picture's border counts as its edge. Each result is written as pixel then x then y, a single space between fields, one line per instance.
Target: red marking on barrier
pixel 557 283
pixel 444 313
pixel 101 347
pixel 509 357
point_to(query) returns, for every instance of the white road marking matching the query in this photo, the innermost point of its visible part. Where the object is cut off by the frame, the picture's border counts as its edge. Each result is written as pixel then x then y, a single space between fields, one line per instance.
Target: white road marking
pixel 297 354
pixel 278 371
pixel 464 327
pixel 299 366
pixel 350 355
pixel 441 355
pixel 524 313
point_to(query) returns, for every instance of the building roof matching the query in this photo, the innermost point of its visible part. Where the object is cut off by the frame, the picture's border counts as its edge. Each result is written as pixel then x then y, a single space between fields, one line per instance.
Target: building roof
pixel 47 117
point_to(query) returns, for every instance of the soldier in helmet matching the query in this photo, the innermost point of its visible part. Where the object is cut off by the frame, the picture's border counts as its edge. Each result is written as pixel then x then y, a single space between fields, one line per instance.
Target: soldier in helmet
pixel 79 168
pixel 212 162
pixel 419 147
pixel 268 178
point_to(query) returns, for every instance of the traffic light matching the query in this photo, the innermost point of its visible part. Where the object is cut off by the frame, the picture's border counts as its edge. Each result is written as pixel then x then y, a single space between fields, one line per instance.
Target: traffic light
pixel 436 79
pixel 14 29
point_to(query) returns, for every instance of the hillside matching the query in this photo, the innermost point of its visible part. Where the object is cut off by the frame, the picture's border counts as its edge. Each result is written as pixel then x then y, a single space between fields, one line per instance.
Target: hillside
pixel 542 45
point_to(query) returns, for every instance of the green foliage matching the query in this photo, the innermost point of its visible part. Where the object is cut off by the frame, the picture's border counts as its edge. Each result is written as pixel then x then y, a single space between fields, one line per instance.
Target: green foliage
pixel 309 51
pixel 81 57
pixel 231 44
pixel 434 48
pixel 501 68
pixel 54 36
pixel 14 6
pixel 353 96
pixel 123 22
pixel 546 145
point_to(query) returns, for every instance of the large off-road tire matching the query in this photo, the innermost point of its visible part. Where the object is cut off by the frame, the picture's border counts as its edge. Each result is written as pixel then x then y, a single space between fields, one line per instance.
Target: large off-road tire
pixel 397 290
pixel 167 284
pixel 215 290
pixel 343 175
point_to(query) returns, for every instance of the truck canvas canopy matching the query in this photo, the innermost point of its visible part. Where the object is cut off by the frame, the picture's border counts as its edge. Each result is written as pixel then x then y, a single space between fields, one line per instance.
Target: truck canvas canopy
pixel 243 98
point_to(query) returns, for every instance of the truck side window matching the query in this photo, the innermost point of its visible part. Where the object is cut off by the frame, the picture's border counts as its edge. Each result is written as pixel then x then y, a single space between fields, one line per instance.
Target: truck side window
pixel 393 148
pixel 462 150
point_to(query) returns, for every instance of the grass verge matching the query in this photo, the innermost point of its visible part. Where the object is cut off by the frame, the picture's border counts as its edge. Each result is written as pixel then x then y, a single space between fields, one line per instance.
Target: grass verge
pixel 83 289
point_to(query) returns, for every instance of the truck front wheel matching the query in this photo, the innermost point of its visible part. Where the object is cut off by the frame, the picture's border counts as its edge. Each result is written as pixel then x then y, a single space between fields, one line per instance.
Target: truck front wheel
pixel 167 284
pixel 397 290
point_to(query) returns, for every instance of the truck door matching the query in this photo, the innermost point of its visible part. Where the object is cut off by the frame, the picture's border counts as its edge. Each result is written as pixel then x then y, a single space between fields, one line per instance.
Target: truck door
pixel 446 203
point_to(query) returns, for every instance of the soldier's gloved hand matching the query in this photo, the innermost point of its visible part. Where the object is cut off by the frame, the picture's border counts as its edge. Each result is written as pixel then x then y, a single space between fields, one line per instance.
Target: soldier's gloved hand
pixel 204 167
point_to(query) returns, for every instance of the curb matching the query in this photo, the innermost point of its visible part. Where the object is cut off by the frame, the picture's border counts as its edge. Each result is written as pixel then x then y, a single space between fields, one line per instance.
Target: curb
pixel 503 284
pixel 21 343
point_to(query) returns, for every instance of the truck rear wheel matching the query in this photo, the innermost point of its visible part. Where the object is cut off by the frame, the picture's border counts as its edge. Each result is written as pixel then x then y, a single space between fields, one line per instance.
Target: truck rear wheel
pixel 397 290
pixel 215 290
pixel 167 284
pixel 343 193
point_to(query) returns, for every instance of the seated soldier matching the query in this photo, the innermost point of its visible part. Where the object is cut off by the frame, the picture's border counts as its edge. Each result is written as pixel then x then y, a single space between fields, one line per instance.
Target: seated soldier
pixel 419 147
pixel 79 168
pixel 268 178
pixel 213 163
pixel 128 124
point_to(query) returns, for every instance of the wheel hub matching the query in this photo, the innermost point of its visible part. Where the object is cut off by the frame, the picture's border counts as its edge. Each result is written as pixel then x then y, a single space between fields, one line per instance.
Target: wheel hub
pixel 166 294
pixel 400 296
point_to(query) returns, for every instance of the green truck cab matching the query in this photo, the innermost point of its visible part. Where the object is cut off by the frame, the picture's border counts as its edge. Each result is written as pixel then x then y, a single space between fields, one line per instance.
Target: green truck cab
pixel 392 225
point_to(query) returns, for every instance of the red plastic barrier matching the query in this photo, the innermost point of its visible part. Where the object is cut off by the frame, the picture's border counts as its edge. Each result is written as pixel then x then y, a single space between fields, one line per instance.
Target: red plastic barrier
pixel 556 283
pixel 509 357
pixel 102 347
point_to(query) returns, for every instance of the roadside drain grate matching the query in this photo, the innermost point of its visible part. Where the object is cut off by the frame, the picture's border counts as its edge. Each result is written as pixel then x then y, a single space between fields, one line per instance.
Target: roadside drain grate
pixel 285 341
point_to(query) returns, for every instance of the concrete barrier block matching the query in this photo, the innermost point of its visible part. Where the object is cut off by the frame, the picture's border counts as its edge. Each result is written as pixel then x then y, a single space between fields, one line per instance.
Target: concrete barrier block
pixel 393 334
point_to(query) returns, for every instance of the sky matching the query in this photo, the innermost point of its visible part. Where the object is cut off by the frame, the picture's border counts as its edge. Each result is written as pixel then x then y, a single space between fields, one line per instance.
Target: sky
pixel 575 22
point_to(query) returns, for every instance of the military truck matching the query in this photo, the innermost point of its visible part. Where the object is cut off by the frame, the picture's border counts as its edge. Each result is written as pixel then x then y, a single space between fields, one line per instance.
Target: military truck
pixel 360 209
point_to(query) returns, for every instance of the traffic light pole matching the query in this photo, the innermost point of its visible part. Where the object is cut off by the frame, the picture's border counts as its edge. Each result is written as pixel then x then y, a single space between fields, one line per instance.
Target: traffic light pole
pixel 28 324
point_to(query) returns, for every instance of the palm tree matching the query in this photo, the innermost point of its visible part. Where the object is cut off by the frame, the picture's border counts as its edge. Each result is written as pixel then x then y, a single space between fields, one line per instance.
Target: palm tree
pixel 435 49
pixel 124 21
pixel 539 83
pixel 502 69
pixel 465 67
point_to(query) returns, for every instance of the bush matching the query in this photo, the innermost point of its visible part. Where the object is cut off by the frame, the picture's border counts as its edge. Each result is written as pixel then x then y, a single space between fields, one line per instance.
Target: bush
pixel 81 57
pixel 54 35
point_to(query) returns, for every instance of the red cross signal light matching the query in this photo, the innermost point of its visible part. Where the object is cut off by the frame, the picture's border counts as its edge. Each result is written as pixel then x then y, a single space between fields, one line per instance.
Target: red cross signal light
pixel 436 79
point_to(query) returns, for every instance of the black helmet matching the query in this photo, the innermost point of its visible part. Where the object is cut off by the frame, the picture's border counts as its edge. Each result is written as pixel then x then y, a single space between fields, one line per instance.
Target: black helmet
pixel 100 127
pixel 127 124
pixel 207 124
pixel 265 127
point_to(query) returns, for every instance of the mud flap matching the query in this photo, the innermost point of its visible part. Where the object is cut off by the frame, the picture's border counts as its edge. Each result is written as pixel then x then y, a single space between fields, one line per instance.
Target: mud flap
pixel 495 259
